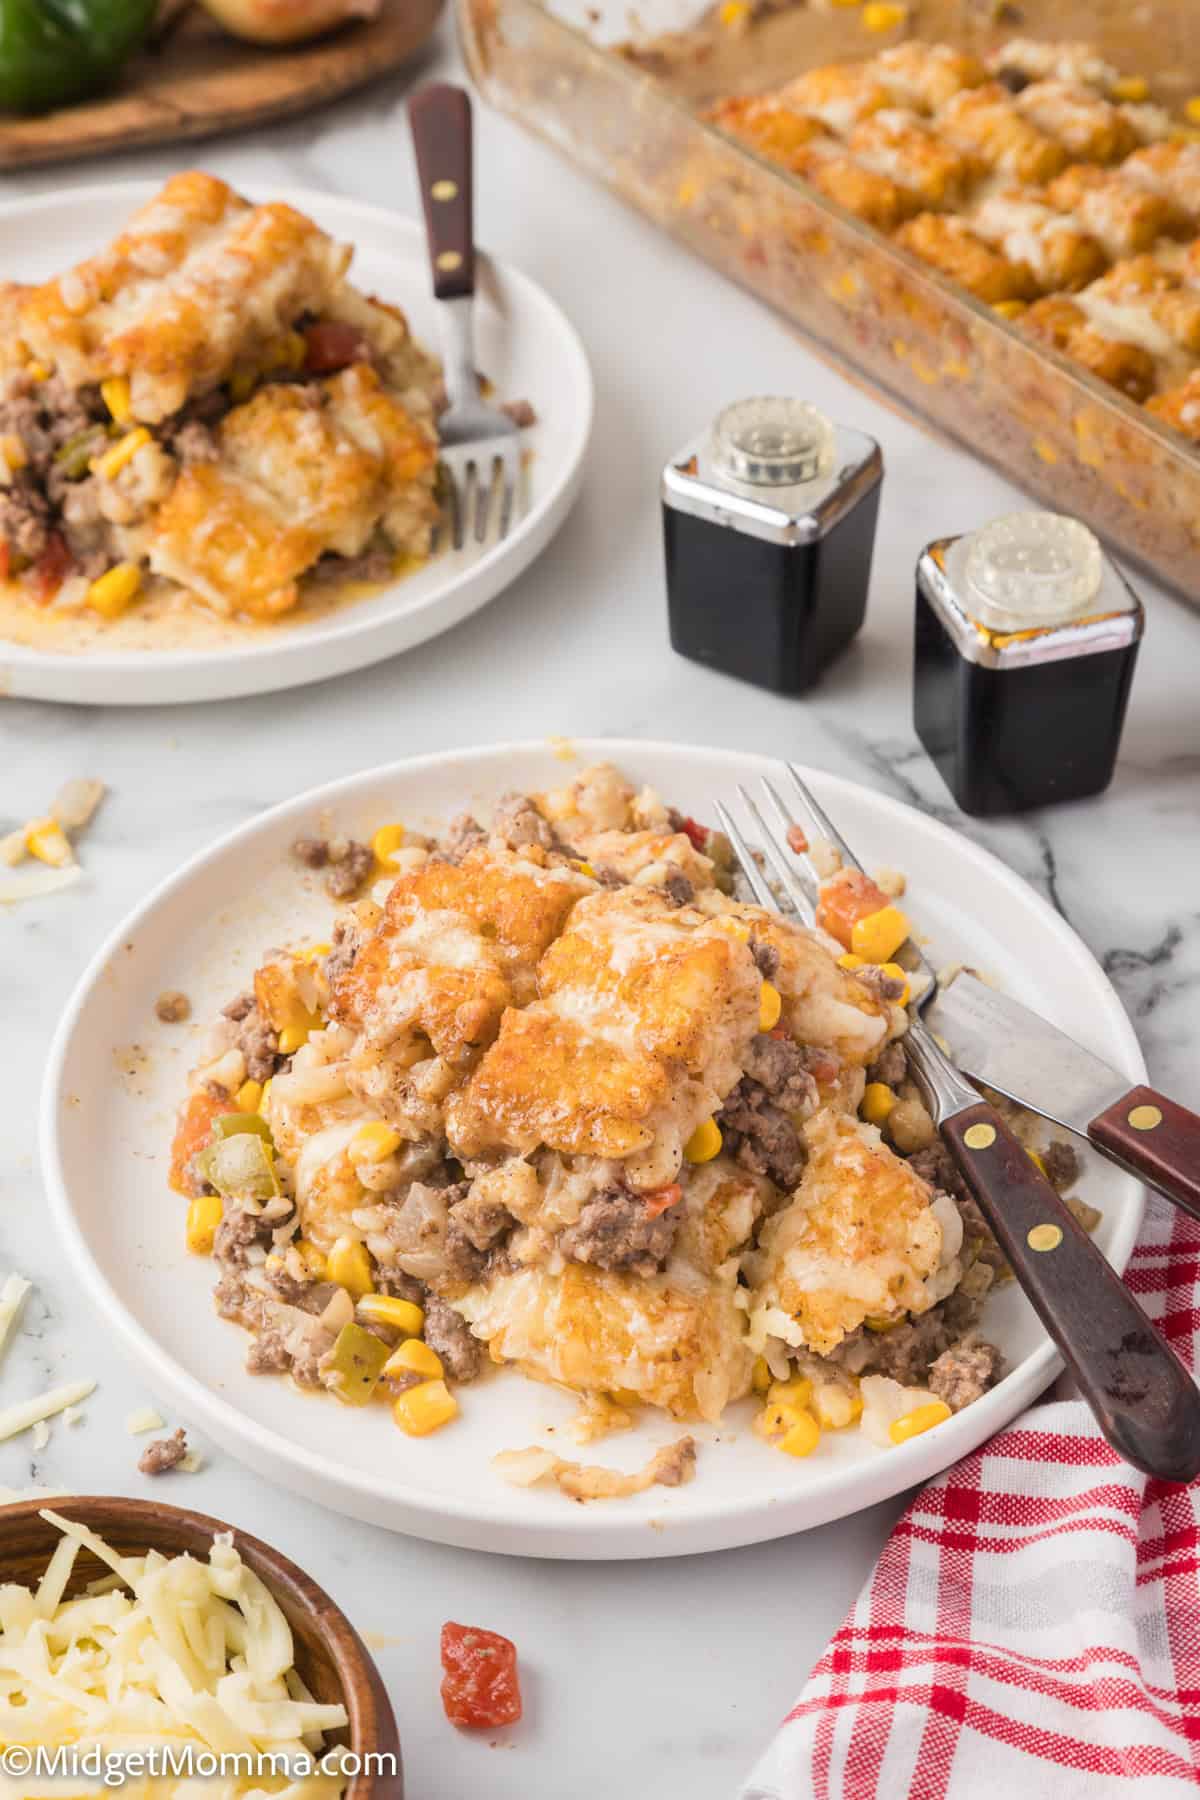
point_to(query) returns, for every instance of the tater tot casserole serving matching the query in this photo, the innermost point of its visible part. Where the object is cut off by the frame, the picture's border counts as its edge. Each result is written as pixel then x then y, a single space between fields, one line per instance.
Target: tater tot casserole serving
pixel 552 1095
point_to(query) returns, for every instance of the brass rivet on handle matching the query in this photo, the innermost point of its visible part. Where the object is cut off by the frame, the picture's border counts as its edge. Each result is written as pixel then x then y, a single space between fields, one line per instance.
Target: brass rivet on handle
pixel 1044 1237
pixel 1144 1118
pixel 979 1137
pixel 449 260
pixel 444 190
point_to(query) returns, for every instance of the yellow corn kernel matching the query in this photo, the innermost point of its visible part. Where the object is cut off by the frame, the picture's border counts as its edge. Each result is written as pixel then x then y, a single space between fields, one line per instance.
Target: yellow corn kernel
pixel 204 1214
pixel 582 867
pixel 296 349
pixel 1192 109
pixel 775 1418
pixel 761 1378
pixel 311 1257
pixel 625 1397
pixel 373 1143
pixel 835 1408
pixel 847 2
pixel 349 1265
pixel 122 452
pixel 877 1102
pixel 415 1358
pixel 878 937
pixel 313 952
pixel 264 1098
pixel 734 11
pixel 769 1007
pixel 884 1321
pixel 424 1409
pixel 704 1142
pixel 1131 87
pixel 249 1096
pixel 922 1418
pixel 387 839
pixel 737 928
pixel 881 15
pixel 850 961
pixel 899 974
pixel 13 450
pixel 1008 309
pixel 241 384
pixel 116 589
pixel 115 394
pixel 46 839
pixel 797 1392
pixel 802 1438
pixel 37 371
pixel 292 1037
pixel 389 1309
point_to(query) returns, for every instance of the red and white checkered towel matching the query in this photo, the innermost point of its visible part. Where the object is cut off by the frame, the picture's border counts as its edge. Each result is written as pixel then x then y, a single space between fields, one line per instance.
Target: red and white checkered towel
pixel 1032 1628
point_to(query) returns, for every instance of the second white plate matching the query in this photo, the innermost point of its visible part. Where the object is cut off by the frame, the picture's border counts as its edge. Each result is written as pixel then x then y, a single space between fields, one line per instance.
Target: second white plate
pixel 524 342
pixel 116 1076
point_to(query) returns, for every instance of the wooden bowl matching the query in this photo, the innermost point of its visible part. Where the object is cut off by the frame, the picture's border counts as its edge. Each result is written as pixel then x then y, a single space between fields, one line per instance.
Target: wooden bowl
pixel 331 1658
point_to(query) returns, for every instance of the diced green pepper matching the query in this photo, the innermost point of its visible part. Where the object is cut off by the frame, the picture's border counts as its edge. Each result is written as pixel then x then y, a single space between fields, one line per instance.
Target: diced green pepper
pixel 76 454
pixel 355 1364
pixel 235 1124
pixel 239 1167
pixel 56 51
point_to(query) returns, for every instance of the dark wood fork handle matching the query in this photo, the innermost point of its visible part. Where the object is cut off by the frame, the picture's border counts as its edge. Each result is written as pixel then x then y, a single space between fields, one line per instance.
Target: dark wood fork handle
pixel 1156 1138
pixel 1144 1399
pixel 440 118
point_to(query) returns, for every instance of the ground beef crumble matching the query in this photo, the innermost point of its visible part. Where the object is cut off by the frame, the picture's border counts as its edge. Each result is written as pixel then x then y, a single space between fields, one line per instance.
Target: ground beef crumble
pixel 163 1454
pixel 447 1332
pixel 964 1371
pixel 614 1231
pixel 760 1136
pixel 350 870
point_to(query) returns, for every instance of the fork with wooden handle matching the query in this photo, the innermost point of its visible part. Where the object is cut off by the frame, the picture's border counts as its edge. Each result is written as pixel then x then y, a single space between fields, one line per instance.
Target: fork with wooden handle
pixel 1143 1398
pixel 480 445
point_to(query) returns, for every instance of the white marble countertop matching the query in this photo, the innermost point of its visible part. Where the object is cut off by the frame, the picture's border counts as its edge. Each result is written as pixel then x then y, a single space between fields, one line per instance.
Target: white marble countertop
pixel 660 1681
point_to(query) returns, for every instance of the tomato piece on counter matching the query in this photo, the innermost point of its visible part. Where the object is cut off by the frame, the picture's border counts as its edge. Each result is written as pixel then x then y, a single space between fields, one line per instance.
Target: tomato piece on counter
pixel 330 345
pixel 480 1687
pixel 49 571
pixel 698 833
pixel 193 1134
pixel 845 898
pixel 659 1199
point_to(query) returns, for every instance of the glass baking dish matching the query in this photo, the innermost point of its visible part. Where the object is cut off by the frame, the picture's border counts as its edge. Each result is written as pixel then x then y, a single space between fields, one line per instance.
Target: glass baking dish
pixel 631 117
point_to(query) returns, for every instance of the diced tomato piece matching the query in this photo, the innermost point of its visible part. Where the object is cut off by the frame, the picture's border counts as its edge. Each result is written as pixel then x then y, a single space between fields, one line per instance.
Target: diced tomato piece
pixel 480 1686
pixel 796 839
pixel 330 345
pixel 697 833
pixel 192 1133
pixel 50 569
pixel 5 560
pixel 822 1065
pixel 845 898
pixel 659 1199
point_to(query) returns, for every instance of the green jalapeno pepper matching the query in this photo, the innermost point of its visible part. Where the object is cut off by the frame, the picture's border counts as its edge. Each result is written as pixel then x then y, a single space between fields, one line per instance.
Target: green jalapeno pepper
pixel 56 51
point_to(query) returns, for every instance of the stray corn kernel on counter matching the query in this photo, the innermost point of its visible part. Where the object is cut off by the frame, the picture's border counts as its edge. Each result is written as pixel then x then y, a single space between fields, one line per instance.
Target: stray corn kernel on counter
pixel 554 1095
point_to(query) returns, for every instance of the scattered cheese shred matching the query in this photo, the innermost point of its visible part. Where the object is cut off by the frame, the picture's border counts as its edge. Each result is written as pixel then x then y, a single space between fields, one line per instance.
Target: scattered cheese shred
pixel 18 1418
pixel 41 1435
pixel 166 1650
pixel 72 1415
pixel 32 884
pixel 71 809
pixel 12 1299
pixel 144 1420
pixel 669 1467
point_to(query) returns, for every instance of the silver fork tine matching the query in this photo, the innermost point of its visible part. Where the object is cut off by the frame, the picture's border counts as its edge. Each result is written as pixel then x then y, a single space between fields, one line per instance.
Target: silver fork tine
pixel 787 876
pixel 805 875
pixel 821 819
pixel 483 498
pixel 453 505
pixel 750 869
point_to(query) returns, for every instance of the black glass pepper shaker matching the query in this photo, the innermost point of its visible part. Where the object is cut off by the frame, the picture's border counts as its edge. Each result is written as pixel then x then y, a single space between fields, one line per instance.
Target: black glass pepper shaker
pixel 1026 639
pixel 768 526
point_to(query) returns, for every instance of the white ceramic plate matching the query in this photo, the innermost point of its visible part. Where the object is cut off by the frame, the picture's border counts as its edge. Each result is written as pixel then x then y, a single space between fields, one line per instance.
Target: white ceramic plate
pixel 105 1139
pixel 524 343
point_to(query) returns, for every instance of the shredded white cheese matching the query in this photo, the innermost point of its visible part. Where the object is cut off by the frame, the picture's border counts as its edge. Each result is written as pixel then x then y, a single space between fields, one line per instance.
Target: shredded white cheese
pixel 41 1435
pixel 144 1420
pixel 18 1418
pixel 12 1299
pixel 166 1651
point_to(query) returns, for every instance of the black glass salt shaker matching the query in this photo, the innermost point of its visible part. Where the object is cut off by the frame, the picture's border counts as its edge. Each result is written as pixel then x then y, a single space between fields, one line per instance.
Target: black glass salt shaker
pixel 768 525
pixel 1026 639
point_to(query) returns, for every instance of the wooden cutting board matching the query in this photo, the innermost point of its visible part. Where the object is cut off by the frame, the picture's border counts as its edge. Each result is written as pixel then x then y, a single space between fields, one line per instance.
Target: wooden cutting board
pixel 200 81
